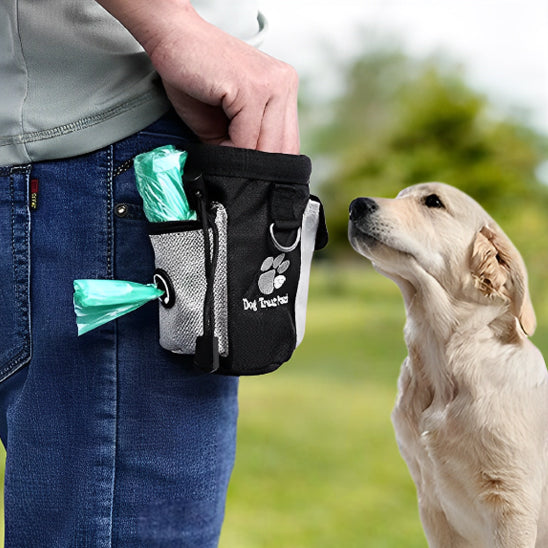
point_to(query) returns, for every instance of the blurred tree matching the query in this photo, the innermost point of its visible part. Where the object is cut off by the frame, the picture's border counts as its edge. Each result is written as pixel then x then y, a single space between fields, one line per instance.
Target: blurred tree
pixel 401 121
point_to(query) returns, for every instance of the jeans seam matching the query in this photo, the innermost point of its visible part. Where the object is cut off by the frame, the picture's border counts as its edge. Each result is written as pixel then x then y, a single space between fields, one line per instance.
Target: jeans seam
pixel 115 441
pixel 110 207
pixel 110 274
pixel 13 250
pixel 24 355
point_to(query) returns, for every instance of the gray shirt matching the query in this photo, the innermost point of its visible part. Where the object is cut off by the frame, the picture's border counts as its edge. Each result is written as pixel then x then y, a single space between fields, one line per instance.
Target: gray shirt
pixel 73 79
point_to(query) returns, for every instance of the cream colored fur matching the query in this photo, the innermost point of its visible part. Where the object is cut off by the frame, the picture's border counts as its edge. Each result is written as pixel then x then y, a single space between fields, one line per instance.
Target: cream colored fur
pixel 471 416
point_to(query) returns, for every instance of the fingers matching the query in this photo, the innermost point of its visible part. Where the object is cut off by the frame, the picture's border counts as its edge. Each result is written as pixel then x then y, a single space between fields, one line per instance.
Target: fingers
pixel 280 123
pixel 280 128
pixel 270 127
pixel 227 91
pixel 244 126
pixel 264 116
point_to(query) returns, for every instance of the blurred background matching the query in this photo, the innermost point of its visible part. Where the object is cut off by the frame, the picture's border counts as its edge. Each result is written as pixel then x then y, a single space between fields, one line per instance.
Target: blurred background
pixel 393 92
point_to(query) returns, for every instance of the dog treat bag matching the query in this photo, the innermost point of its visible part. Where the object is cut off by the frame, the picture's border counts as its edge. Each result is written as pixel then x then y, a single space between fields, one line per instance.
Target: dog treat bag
pixel 233 238
pixel 236 279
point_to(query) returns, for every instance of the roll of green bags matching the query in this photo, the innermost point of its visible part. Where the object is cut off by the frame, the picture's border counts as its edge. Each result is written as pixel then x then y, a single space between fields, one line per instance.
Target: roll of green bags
pixel 97 302
pixel 159 176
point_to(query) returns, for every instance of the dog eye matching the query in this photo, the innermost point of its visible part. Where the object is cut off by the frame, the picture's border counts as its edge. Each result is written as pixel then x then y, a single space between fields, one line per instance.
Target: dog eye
pixel 433 200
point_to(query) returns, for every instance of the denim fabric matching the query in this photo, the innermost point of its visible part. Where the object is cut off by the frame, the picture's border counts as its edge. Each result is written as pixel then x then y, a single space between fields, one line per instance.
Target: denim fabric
pixel 111 440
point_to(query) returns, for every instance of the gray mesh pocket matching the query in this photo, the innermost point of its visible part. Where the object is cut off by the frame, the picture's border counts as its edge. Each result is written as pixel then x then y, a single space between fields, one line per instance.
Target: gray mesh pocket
pixel 180 255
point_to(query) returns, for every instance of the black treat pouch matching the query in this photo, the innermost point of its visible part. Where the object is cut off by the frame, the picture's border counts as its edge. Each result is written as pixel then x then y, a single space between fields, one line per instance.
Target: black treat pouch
pixel 236 280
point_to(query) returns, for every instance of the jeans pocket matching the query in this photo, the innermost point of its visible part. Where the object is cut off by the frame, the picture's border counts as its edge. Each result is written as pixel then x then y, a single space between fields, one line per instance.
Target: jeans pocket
pixel 15 344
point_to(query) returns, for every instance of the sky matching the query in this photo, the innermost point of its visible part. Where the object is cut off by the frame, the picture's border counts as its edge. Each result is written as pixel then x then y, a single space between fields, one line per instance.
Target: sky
pixel 502 44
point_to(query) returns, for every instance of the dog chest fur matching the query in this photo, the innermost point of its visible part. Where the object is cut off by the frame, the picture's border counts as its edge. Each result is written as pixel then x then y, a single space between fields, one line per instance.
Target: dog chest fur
pixel 469 452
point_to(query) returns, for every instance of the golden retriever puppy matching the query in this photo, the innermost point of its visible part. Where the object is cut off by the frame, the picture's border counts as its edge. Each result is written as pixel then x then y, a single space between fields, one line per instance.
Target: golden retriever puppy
pixel 471 416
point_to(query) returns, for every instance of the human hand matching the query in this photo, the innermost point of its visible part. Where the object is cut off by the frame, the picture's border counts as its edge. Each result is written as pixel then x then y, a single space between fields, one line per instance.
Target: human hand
pixel 226 91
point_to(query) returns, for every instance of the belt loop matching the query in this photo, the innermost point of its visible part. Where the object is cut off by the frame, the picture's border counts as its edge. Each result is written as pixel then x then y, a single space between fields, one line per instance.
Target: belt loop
pixel 287 205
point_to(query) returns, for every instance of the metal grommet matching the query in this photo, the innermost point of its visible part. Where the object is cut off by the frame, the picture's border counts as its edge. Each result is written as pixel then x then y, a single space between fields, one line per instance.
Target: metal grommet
pixel 162 281
pixel 282 248
pixel 121 210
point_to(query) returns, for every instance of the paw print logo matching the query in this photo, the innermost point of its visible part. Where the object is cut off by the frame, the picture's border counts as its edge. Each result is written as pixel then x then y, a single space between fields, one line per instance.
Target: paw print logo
pixel 272 276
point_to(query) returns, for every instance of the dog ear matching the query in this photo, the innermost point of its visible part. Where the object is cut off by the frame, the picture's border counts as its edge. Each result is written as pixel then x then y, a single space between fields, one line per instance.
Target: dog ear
pixel 499 270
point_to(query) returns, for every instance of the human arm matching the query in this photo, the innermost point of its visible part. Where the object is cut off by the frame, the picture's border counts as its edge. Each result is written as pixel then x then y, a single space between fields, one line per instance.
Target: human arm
pixel 226 91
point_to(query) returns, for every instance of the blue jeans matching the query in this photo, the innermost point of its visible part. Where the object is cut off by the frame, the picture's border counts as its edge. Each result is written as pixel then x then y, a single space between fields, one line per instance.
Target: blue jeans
pixel 111 440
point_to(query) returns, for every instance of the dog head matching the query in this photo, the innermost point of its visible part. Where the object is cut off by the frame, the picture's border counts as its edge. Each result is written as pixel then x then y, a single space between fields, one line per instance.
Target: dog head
pixel 435 235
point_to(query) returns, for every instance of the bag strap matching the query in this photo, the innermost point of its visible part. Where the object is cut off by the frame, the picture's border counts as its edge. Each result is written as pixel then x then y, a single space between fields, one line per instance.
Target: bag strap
pixel 287 205
pixel 206 356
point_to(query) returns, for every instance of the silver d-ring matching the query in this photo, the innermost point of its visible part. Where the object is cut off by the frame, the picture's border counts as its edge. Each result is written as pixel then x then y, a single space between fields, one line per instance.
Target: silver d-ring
pixel 282 248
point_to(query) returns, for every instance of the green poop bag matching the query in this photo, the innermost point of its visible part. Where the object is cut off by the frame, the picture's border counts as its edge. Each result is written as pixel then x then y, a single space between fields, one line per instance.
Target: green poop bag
pixel 158 174
pixel 99 301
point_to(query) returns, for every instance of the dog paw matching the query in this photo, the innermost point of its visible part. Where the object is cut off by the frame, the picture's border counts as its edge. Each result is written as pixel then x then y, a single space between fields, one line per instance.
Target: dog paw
pixel 272 276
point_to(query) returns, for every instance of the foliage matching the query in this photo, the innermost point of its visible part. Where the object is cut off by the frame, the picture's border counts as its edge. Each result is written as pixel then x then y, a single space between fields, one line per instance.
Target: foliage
pixel 402 121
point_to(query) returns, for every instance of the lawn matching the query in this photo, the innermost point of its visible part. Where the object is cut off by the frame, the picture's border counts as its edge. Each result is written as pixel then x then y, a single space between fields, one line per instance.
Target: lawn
pixel 317 464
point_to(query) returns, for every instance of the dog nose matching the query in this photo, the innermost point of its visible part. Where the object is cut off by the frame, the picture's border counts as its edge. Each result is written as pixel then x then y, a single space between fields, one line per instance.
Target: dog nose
pixel 361 207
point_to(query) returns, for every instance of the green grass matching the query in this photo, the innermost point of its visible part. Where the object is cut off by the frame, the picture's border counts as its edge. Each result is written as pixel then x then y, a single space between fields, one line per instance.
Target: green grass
pixel 317 463
pixel 318 466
